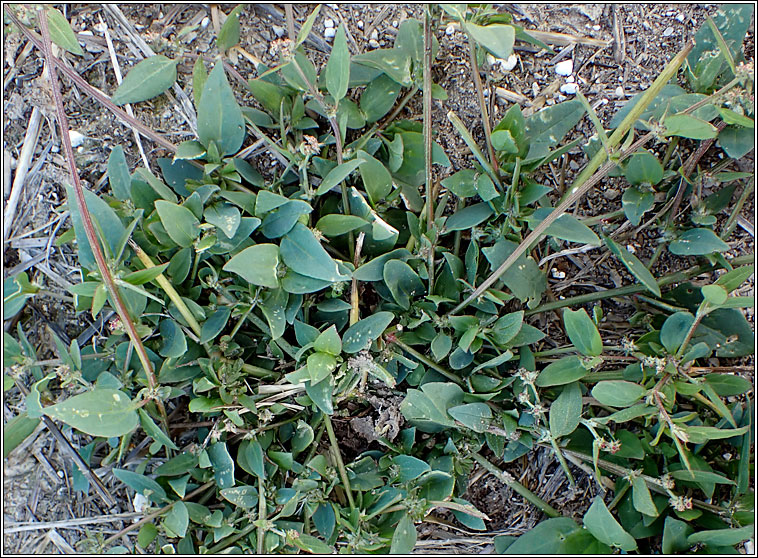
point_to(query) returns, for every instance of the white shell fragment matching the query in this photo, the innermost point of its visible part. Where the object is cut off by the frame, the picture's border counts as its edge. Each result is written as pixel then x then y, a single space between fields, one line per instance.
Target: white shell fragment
pixel 569 88
pixel 76 138
pixel 329 32
pixel 278 30
pixel 328 22
pixel 450 29
pixel 509 64
pixel 565 68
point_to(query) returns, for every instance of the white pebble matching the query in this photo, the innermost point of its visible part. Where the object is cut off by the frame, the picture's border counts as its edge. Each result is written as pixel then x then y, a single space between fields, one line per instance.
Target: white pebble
pixel 569 79
pixel 328 22
pixel 100 27
pixel 565 68
pixel 374 34
pixel 596 28
pixel 630 248
pixel 558 274
pixel 620 92
pixel 87 32
pixel 680 18
pixel 139 502
pixel 204 23
pixel 569 88
pixel 360 24
pixel 329 32
pixel 395 23
pixel 450 30
pixel 509 64
pixel 278 31
pixel 668 32
pixel 373 43
pixel 76 138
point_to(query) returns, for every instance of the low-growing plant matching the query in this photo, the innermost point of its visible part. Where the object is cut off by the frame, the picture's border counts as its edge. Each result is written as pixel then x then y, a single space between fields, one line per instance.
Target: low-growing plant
pixel 272 308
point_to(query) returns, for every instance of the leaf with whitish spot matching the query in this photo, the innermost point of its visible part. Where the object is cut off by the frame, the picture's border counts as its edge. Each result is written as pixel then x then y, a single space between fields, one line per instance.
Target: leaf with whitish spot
pixel 636 203
pixel 599 521
pixel 302 253
pixel 100 412
pixel 141 484
pixel 360 335
pixel 243 496
pixel 222 463
pixel 404 537
pixel 496 38
pixel 224 216
pixel 475 416
pixel 146 80
pixel 176 520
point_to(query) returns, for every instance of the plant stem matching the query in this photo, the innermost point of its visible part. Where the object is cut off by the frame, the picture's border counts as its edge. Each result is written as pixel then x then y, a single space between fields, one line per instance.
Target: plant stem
pixel 338 459
pixel 516 486
pixel 731 222
pixel 633 289
pixel 482 104
pixel 428 362
pixel 87 223
pixel 429 179
pixel 261 515
pixel 588 177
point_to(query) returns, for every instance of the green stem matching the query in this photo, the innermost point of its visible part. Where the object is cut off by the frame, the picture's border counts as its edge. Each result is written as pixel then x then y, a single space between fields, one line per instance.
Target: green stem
pixel 428 362
pixel 590 221
pixel 633 289
pixel 516 486
pixel 261 514
pixel 731 222
pixel 562 461
pixel 338 459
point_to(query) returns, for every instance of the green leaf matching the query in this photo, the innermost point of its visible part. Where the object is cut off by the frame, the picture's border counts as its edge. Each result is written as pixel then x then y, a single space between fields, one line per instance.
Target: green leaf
pixel 16 430
pixel 302 253
pixel 337 175
pixel 404 537
pixel 336 225
pixel 307 26
pixel 475 416
pixel 563 371
pixel 392 61
pixel 582 332
pixel 281 220
pixel 146 535
pixel 544 129
pixel 100 412
pixel 328 342
pixel 223 464
pixel 697 242
pixel 643 168
pixel 714 295
pixel 321 394
pixel 547 537
pixel 734 118
pixel 733 279
pixel 722 537
pixel 179 465
pixel 496 38
pixel 524 278
pixel 379 97
pixel 215 324
pixel 243 496
pixel 635 266
pixel 404 284
pixel 118 174
pixel 376 178
pixel 675 535
pixel 141 484
pixel 253 453
pixel 641 498
pixel 462 183
pixel 727 385
pixel 700 477
pixel 737 141
pixel 176 520
pixel 320 365
pixel 61 33
pixel 703 434
pixel 257 265
pixel 338 66
pixel 618 393
pixel 180 223
pixel 494 362
pixel 636 203
pixel 219 118
pixel 468 217
pixel 409 467
pixel 675 329
pixel 174 342
pixel 507 327
pixel 688 126
pixel 566 410
pixel 229 34
pixel 603 526
pixel 359 336
pixel 566 227
pixel 502 140
pixel 441 345
pixel 199 77
pixel 107 225
pixel 146 80
pixel 311 544
pixel 224 216
pixel 303 437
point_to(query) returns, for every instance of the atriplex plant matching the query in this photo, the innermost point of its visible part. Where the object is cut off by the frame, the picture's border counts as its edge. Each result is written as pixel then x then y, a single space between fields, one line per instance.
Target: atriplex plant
pixel 272 311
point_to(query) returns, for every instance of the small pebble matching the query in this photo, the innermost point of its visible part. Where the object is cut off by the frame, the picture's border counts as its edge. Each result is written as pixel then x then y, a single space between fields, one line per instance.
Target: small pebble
pixel 76 138
pixel 278 31
pixel 204 23
pixel 565 68
pixel 668 32
pixel 509 64
pixel 450 30
pixel 100 27
pixel 596 27
pixel 373 43
pixel 610 193
pixel 569 79
pixel 680 18
pixel 620 92
pixel 329 32
pixel 360 24
pixel 395 23
pixel 573 165
pixel 569 88
pixel 375 34
pixel 561 98
pixel 86 32
pixel 328 22
pixel 558 274
pixel 630 248
pixel 535 89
